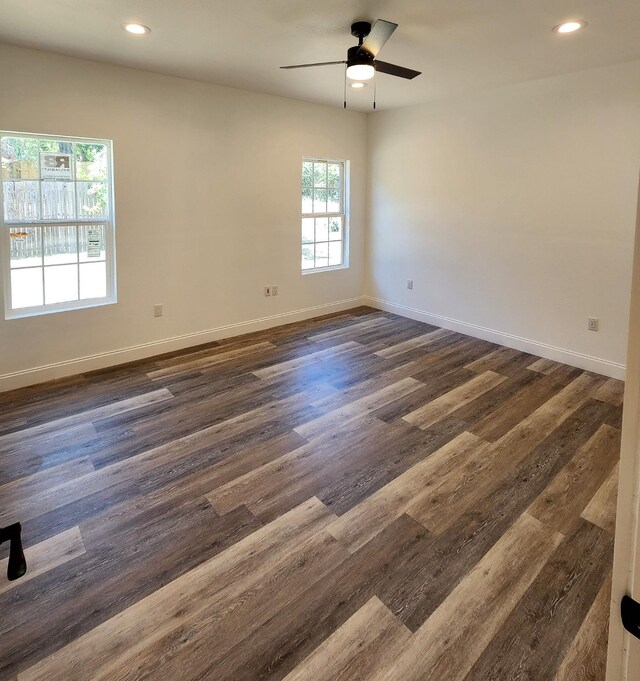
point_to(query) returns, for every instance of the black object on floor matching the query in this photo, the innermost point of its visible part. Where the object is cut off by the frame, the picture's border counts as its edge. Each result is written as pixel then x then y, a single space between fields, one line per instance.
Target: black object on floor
pixel 17 562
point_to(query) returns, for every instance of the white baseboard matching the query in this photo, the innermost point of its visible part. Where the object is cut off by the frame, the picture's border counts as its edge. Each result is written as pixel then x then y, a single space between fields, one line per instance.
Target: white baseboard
pixel 576 359
pixel 50 372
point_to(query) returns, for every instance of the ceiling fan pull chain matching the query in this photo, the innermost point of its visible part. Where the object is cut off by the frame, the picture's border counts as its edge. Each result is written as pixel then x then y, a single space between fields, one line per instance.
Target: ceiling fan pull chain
pixel 375 89
pixel 345 87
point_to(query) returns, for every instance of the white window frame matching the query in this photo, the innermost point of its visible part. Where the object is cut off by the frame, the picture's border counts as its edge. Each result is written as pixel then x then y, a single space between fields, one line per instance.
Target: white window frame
pixel 344 213
pixel 109 238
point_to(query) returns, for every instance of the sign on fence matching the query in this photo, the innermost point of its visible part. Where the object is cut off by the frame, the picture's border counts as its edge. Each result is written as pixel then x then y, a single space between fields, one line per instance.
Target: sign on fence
pixel 55 166
pixel 94 242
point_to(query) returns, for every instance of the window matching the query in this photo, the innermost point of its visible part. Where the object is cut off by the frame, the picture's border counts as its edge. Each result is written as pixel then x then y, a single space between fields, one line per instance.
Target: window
pixel 324 224
pixel 57 223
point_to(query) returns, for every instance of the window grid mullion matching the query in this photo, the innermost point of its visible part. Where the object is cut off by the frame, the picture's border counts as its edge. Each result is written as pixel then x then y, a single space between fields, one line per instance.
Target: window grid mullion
pixel 78 257
pixel 41 231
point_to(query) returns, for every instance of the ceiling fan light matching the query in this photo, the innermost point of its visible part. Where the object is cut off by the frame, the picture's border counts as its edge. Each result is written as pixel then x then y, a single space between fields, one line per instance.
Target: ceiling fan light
pixel 358 85
pixel 361 71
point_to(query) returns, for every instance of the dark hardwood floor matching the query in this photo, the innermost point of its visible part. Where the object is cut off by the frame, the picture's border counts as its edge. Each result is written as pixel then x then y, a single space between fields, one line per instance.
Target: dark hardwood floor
pixel 359 496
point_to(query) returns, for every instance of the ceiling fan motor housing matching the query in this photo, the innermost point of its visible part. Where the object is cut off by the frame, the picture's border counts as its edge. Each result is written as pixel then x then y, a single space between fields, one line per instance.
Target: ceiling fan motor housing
pixel 355 57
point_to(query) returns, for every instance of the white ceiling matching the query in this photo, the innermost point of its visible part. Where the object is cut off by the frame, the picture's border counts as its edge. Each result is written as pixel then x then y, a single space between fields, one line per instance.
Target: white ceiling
pixel 459 45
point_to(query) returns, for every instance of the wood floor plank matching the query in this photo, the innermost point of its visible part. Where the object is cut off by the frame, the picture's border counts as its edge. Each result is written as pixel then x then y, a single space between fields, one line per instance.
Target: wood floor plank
pixel 491 361
pixel 499 422
pixel 560 504
pixel 370 382
pixel 434 411
pixel 259 409
pixel 451 640
pixel 349 412
pixel 189 651
pixel 371 639
pixel 8 442
pixel 291 635
pixel 332 352
pixel 46 556
pixel 553 412
pixel 44 452
pixel 415 342
pixel 349 329
pixel 45 479
pixel 479 476
pixel 550 614
pixel 298 474
pixel 601 509
pixel 456 490
pixel 612 391
pixel 544 366
pixel 360 524
pixel 219 356
pixel 586 659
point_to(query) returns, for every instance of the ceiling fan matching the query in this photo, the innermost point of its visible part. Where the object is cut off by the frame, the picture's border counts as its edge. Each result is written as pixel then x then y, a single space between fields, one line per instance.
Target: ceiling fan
pixel 361 59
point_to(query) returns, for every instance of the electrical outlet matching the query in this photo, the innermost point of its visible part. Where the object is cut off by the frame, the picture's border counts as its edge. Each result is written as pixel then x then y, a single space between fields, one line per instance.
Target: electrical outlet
pixel 593 324
pixel 157 310
pixel 410 284
pixel 267 291
pixel 274 290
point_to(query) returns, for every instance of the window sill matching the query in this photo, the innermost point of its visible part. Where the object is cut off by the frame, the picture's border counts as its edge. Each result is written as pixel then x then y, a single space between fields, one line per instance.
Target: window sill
pixel 64 307
pixel 319 270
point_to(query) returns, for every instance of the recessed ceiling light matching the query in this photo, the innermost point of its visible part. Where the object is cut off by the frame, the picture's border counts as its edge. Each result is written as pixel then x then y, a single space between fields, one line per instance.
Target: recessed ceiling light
pixel 570 26
pixel 136 29
pixel 358 86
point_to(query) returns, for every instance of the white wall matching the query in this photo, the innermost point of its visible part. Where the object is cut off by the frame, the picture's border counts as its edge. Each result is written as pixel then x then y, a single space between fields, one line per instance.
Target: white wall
pixel 513 211
pixel 207 207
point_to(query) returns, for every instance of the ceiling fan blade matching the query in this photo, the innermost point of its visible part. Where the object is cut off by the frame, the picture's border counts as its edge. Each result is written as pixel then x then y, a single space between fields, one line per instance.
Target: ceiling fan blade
pixel 380 33
pixel 394 70
pixel 305 66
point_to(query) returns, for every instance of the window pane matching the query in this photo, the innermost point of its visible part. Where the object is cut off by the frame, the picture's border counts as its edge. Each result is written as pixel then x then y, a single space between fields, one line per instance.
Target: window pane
pixel 322 229
pixel 307 231
pixel 319 200
pixel 319 174
pixel 333 201
pixel 19 158
pixel 26 287
pixel 21 201
pixel 334 175
pixel 307 200
pixel 57 200
pixel 92 243
pixel 56 146
pixel 91 162
pixel 26 247
pixel 335 229
pixel 307 174
pixel 60 284
pixel 92 199
pixel 322 255
pixel 93 280
pixel 307 257
pixel 60 245
pixel 335 253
